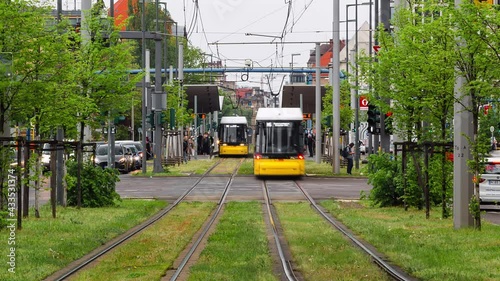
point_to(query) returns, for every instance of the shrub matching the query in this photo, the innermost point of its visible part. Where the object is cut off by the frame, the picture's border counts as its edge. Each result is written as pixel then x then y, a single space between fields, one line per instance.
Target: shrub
pixel 97 185
pixel 382 171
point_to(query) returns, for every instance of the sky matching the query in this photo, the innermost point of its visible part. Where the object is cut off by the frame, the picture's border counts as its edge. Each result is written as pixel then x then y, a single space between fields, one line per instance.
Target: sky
pixel 276 23
pixel 244 21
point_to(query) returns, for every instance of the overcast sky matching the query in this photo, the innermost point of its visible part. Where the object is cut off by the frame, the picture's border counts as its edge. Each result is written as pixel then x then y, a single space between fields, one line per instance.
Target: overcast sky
pixel 228 21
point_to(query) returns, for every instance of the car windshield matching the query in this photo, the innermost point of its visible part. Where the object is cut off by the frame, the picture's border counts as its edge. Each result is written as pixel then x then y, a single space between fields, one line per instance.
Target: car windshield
pixel 233 133
pixel 132 148
pixel 103 150
pixel 279 138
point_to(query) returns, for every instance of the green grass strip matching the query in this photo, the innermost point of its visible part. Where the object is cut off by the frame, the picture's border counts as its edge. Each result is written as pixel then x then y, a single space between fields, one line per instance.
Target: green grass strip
pixel 238 249
pixel 321 252
pixel 149 254
pixel 429 249
pixel 46 245
pixel 193 167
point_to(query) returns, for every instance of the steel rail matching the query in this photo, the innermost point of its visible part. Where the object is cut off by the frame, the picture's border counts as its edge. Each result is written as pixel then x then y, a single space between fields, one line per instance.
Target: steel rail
pixel 220 204
pixel 285 265
pixel 158 216
pixel 393 272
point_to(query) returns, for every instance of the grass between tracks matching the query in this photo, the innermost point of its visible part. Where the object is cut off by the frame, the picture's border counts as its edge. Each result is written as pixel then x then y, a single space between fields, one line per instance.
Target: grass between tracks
pixel 429 249
pixel 198 167
pixel 319 251
pixel 193 167
pixel 46 245
pixel 238 249
pixel 149 254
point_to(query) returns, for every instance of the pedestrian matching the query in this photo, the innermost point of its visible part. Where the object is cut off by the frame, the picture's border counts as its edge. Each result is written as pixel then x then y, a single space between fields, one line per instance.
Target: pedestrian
pixel 350 157
pixel 205 150
pixel 310 144
pixel 185 149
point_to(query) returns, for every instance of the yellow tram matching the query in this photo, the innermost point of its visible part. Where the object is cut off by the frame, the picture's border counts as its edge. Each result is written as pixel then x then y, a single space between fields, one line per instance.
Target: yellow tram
pixel 233 139
pixel 279 142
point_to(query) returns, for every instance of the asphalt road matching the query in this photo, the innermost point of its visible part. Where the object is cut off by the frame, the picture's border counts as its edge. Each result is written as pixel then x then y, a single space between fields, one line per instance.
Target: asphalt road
pixel 246 188
pixel 250 188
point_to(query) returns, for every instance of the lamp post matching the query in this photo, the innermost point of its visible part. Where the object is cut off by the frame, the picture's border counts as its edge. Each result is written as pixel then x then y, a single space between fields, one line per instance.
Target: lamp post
pixel 291 64
pixel 355 93
pixel 356 29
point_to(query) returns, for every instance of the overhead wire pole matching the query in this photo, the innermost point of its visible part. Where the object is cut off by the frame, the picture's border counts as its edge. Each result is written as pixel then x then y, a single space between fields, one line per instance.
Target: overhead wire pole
pixel 159 102
pixel 318 105
pixel 336 87
pixel 144 91
pixel 463 132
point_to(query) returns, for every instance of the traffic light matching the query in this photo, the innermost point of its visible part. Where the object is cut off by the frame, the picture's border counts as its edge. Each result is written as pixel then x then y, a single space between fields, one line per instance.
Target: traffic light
pixel 151 119
pixel 388 123
pixel 306 116
pixel 373 119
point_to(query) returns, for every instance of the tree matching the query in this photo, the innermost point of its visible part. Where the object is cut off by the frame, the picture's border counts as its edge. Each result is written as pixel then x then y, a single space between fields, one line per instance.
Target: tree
pixel 417 66
pixel 346 113
pixel 102 66
pixel 478 61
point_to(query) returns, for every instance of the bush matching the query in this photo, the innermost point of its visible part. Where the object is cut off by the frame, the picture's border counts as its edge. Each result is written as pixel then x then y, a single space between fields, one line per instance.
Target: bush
pixel 382 172
pixel 97 185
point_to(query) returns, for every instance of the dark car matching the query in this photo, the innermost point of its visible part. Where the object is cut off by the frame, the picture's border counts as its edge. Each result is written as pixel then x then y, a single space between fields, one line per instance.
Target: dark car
pixel 123 157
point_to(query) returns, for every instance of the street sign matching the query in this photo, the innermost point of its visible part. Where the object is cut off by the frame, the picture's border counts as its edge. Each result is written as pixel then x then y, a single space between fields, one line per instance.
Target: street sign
pixel 376 48
pixel 486 108
pixel 363 103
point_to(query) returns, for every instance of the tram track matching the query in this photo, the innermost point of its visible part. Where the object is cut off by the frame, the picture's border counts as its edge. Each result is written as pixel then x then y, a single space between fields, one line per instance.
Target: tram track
pixel 287 270
pixel 393 271
pixel 206 228
pixel 82 263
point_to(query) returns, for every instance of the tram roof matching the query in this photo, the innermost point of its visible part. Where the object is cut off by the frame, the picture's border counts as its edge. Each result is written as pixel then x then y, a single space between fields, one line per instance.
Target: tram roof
pixel 207 97
pixel 291 97
pixel 233 120
pixel 279 114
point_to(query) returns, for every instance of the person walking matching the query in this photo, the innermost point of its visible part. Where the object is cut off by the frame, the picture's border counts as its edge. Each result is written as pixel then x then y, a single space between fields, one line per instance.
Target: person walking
pixel 185 149
pixel 310 144
pixel 350 158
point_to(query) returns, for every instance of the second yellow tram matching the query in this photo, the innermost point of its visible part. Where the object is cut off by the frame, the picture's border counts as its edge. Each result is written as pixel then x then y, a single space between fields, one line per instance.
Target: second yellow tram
pixel 279 142
pixel 233 138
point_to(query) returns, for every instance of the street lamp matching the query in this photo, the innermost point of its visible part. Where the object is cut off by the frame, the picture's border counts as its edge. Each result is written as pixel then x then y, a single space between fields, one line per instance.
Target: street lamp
pixel 291 74
pixel 356 29
pixel 356 98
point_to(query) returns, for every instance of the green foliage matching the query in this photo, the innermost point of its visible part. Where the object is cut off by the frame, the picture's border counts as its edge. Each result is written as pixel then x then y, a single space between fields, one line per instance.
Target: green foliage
pixel 411 193
pixel 346 113
pixel 97 185
pixel 382 172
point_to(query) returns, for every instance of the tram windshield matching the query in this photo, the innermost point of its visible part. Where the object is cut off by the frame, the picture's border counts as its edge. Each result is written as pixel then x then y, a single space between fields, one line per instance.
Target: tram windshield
pixel 234 133
pixel 279 138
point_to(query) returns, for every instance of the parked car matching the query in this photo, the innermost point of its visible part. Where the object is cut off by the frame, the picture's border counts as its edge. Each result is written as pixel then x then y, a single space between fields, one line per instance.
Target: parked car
pixel 137 163
pixel 137 144
pixel 489 184
pixel 123 157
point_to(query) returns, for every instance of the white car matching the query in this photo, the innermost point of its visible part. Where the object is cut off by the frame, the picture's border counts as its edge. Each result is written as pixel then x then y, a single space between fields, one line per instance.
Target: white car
pixel 489 185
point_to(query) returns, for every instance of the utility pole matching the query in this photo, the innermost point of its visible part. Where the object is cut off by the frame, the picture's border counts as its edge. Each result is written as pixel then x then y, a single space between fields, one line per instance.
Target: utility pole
pixel 385 17
pixel 463 132
pixel 336 88
pixel 318 105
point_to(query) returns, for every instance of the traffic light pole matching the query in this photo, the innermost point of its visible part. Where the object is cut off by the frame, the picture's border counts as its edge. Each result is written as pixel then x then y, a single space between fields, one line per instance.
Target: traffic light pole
pixel 158 106
pixel 385 17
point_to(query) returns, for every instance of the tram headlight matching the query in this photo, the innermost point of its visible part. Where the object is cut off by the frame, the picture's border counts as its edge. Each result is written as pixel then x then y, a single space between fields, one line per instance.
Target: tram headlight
pixel 257 156
pixel 300 156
